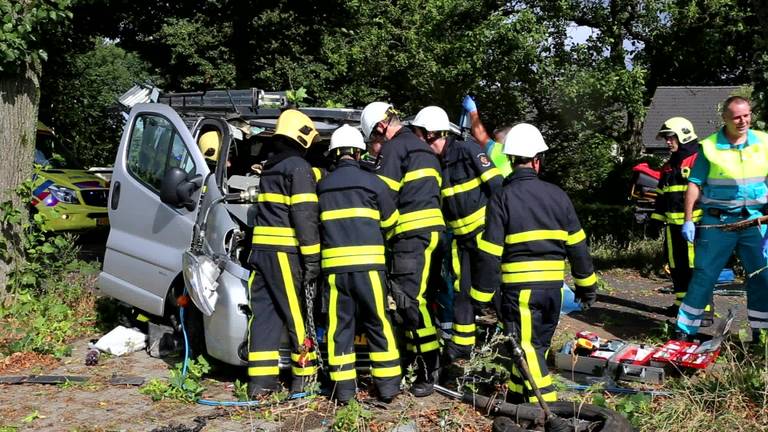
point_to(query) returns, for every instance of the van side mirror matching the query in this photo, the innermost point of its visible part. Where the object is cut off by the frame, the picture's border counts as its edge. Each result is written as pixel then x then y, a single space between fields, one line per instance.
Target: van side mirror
pixel 176 188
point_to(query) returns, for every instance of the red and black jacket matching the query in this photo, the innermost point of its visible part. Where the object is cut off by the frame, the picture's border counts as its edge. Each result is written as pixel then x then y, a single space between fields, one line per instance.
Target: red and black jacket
pixel 670 194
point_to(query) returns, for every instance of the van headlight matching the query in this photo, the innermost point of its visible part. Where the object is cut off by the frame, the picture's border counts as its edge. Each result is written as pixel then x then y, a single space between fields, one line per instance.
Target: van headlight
pixel 201 276
pixel 64 194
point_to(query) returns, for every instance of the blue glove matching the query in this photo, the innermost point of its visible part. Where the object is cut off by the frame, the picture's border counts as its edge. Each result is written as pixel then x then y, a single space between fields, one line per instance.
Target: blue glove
pixel 689 231
pixel 765 245
pixel 469 104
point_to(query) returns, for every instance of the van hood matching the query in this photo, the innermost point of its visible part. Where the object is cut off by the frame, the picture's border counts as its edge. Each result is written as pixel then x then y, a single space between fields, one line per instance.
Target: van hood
pixel 74 179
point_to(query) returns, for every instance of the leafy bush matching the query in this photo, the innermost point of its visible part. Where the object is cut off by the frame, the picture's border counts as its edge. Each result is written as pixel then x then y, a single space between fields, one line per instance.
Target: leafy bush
pixel 185 388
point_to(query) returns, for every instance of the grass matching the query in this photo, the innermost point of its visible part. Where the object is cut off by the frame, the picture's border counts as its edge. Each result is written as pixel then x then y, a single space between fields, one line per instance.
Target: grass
pixel 641 253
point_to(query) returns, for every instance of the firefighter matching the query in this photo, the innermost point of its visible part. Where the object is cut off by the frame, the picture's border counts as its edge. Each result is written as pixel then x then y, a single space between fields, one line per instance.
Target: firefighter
pixel 683 144
pixel 530 228
pixel 285 254
pixel 412 173
pixel 469 178
pixel 356 211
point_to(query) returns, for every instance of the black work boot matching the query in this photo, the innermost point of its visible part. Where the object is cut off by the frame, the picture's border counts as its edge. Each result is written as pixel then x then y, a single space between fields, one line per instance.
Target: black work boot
pixel 426 365
pixel 258 389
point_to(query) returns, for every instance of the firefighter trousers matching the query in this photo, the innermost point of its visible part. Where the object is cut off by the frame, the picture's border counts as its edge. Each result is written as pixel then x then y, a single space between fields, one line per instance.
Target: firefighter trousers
pixel 464 259
pixel 531 316
pixel 274 297
pixel 679 253
pixel 411 260
pixel 361 293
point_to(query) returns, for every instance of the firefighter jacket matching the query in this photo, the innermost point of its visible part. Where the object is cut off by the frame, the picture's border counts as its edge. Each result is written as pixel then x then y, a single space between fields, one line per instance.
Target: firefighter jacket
pixel 733 177
pixel 531 227
pixel 469 178
pixel 412 172
pixel 286 209
pixel 356 210
pixel 670 194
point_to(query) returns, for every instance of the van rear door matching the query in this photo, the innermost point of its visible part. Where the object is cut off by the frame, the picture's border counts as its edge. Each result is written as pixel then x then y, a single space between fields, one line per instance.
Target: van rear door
pixel 148 237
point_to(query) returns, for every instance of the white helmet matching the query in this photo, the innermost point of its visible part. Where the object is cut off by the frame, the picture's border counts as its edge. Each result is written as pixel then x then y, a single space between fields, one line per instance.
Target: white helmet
pixel 524 140
pixel 373 113
pixel 433 119
pixel 347 136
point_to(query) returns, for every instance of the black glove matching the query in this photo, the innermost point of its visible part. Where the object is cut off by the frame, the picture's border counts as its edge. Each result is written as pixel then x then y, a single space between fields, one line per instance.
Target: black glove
pixel 586 296
pixel 311 271
pixel 407 308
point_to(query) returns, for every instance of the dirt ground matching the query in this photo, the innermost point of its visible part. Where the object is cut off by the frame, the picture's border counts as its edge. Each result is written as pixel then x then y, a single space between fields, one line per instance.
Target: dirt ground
pixel 633 309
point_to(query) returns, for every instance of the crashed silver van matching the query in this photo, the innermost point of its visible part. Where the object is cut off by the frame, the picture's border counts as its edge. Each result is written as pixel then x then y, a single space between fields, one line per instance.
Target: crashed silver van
pixel 176 216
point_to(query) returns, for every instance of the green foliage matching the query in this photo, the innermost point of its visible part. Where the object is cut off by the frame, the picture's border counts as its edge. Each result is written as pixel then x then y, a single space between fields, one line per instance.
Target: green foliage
pixel 632 407
pixel 80 99
pixel 179 387
pixel 20 29
pixel 32 252
pixel 352 417
pixel 296 97
pixel 44 321
pixel 640 253
pixel 240 390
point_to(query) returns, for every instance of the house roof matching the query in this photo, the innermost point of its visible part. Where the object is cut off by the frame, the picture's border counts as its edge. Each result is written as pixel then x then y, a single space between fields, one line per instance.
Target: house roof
pixel 700 105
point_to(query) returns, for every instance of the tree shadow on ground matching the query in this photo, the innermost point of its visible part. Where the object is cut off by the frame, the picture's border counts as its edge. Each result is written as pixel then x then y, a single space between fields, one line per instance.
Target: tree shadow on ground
pixel 632 304
pixel 623 324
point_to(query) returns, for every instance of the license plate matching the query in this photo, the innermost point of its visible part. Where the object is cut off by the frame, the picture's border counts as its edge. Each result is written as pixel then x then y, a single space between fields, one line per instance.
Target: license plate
pixel 102 221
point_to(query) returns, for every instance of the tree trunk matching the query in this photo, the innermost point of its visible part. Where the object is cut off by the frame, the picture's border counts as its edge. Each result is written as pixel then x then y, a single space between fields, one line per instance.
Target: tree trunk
pixel 19 100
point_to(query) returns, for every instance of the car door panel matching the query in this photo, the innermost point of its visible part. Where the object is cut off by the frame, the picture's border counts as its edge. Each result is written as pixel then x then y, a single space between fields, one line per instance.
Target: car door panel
pixel 147 237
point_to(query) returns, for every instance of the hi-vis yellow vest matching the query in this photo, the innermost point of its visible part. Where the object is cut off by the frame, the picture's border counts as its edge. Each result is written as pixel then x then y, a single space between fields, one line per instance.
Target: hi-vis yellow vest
pixel 737 174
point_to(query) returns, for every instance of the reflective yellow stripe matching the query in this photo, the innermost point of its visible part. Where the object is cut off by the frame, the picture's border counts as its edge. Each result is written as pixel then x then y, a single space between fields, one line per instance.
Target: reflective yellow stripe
pixel 311 355
pixel 677 218
pixel 317 173
pixel 658 217
pixel 274 198
pixel 539 276
pixel 463 340
pixel 491 173
pixel 587 281
pixel 349 213
pixel 526 336
pixel 352 250
pixel 298 371
pixel 384 356
pixel 675 188
pixel 263 355
pixel 390 220
pixel 419 214
pixel 333 320
pixel 670 250
pixel 691 254
pixel 389 336
pixel 460 188
pixel 422 332
pixel 422 173
pixel 274 241
pixel 515 388
pixel 427 347
pixel 475 219
pixel 310 249
pixel 464 328
pixel 387 372
pixel 290 291
pixel 344 375
pixel 353 260
pixel 548 397
pixel 527 236
pixel 456 266
pixel 489 247
pixel 263 371
pixel 425 317
pixel 480 295
pixel 338 360
pixel 533 266
pixel 274 231
pixel 576 237
pixel 303 198
pixel 395 186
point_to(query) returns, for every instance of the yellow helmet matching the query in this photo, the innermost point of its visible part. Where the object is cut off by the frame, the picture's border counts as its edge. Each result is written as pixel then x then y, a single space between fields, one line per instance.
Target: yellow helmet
pixel 297 126
pixel 209 143
pixel 679 126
